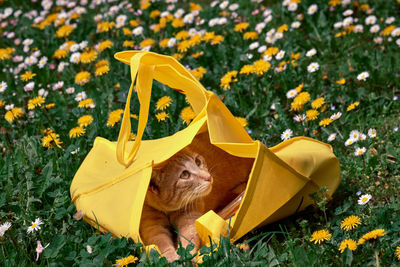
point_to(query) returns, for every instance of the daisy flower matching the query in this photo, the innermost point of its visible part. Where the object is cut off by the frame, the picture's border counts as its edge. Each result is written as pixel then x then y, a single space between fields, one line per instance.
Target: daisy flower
pixel 375 28
pixel 291 93
pixel 313 67
pixel 372 133
pixel 39 249
pixel 280 55
pixel 4 227
pixel 332 137
pixel 363 76
pixel 364 199
pixel 3 86
pixel 35 225
pixel 355 135
pixel 287 134
pixel 311 52
pixel 370 20
pixel 349 142
pixel 312 9
pixel 336 116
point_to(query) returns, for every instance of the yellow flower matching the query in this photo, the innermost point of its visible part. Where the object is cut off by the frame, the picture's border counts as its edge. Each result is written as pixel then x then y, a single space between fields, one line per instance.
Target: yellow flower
pixel 283 28
pixel 208 36
pixel 299 88
pixel 261 66
pixel 347 243
pixel 13 114
pixel 353 106
pixel 154 14
pixel 127 31
pixel 64 31
pixel 177 56
pixel 217 39
pixel 247 69
pixel 335 2
pixel 125 261
pixel 271 51
pixel 50 106
pixel 371 235
pixel 50 139
pixel 2 103
pixel 145 4
pixel 388 30
pixel 397 252
pixel 177 23
pixel 187 114
pixel 162 116
pixel 250 35
pixel 317 103
pixel 105 26
pixel 163 103
pixel 101 63
pixel 241 27
pixel 350 223
pixel 104 45
pixel 341 81
pixel 183 46
pixel 302 98
pixel 242 121
pixel 27 76
pixel 164 43
pixel 85 120
pixel 147 42
pixel 35 102
pixel 88 56
pixel 134 23
pixel 295 106
pixel 198 54
pixel 295 56
pixel 86 103
pixel 320 236
pixel 195 40
pixel 82 77
pixel 76 132
pixel 60 53
pixel 114 117
pixel 312 114
pixel 128 44
pixel 199 72
pixel 227 79
pixel 5 54
pixel 101 70
pixel 325 122
pixel 194 6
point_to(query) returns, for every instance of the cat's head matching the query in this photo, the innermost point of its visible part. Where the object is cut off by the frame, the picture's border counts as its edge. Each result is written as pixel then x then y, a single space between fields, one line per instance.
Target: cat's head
pixel 180 180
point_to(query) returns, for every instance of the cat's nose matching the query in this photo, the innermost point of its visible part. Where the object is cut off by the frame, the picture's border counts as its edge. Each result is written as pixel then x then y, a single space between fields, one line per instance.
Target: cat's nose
pixel 207 178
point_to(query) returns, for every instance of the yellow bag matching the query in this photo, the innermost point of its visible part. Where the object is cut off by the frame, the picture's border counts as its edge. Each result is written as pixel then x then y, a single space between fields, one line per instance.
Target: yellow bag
pixel 111 184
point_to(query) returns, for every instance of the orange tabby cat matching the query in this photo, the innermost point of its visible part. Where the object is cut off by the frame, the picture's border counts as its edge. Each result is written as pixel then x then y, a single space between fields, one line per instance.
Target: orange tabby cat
pixel 197 179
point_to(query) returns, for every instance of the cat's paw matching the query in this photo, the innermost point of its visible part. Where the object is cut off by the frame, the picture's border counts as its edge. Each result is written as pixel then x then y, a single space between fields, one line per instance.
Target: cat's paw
pixel 171 256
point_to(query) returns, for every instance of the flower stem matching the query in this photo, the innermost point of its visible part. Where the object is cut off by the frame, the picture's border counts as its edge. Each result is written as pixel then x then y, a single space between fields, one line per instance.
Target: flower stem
pixel 377 259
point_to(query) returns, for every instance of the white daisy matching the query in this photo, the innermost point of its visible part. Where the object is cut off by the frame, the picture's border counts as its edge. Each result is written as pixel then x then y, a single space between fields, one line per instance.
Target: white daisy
pixel 280 55
pixel 137 31
pixel 295 25
pixel 300 117
pixel 80 96
pixel 35 225
pixel 312 9
pixel 75 57
pixel 4 227
pixel 378 40
pixel 359 151
pixel 291 93
pixel 364 199
pixel 292 6
pixel 370 20
pixel 349 142
pixel 362 137
pixel 363 76
pixel 390 20
pixel 348 12
pixel 355 135
pixel 358 28
pixel 311 52
pixel 287 134
pixel 375 28
pixel 262 49
pixel 332 137
pixel 42 62
pixel 336 116
pixel 395 32
pixel 348 21
pixel 372 133
pixel 29 86
pixel 3 86
pixel 254 45
pixel 313 67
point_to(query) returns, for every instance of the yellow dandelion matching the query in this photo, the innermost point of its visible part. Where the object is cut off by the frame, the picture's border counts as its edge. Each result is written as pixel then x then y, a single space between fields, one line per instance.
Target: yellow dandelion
pixel 88 56
pixel 299 88
pixel 283 28
pixel 101 63
pixel 271 51
pixel 64 31
pixel 208 36
pixel 183 46
pixel 86 103
pixel 317 103
pixel 388 30
pixel 127 31
pixel 320 236
pixel 302 98
pixel 114 117
pixel 198 54
pixel 154 14
pixel 2 103
pixel 397 252
pixel 217 39
pixel 27 76
pixel 353 106
pixel 325 122
pixel 177 56
pixel 199 72
pixel 60 53
pixel 195 40
pixel 261 66
pixel 347 243
pixel 13 114
pixel 341 81
pixel 147 42
pixel 164 43
pixel 242 121
pixel 128 44
pixel 227 79
pixel 177 23
pixel 125 261
pixel 312 114
pixel 105 26
pixel 134 23
pixel 102 70
pixel 350 223
pixel 241 27
pixel 335 2
pixel 35 102
pixel 295 106
pixel 82 77
pixel 145 4
pixel 163 103
pixel 187 115
pixel 76 132
pixel 371 235
pixel 247 69
pixel 85 120
pixel 194 6
pixel 250 36
pixel 50 106
pixel 51 139
pixel 295 56
pixel 162 116
pixel 104 45
pixel 4 54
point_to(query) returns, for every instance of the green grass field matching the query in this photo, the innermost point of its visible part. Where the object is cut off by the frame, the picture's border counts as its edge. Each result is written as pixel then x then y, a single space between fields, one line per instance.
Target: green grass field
pixel 328 70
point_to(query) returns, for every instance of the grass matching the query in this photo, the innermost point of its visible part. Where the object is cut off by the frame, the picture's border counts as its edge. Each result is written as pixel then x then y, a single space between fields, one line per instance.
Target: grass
pixel 36 173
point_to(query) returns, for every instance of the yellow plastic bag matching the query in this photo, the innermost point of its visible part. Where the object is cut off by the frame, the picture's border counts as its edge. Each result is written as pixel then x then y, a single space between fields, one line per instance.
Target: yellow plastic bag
pixel 111 184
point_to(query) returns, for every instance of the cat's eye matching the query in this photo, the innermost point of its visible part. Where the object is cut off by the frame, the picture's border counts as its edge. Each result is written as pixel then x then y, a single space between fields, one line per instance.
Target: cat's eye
pixel 198 162
pixel 185 175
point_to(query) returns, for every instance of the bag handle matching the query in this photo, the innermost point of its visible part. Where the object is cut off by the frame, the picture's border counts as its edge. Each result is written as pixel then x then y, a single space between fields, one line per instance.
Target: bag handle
pixel 146 66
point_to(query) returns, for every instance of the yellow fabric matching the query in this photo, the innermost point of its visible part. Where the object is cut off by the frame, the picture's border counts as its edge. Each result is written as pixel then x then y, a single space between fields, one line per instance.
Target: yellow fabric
pixel 111 184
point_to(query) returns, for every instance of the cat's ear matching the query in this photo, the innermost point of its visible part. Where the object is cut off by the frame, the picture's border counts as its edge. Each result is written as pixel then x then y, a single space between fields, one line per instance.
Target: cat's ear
pixel 154 188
